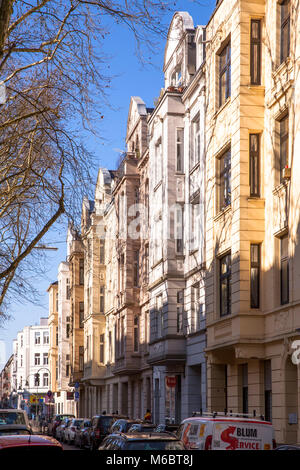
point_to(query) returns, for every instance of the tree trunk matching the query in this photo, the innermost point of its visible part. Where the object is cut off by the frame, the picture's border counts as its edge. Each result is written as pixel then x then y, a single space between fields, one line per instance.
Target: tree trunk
pixel 6 8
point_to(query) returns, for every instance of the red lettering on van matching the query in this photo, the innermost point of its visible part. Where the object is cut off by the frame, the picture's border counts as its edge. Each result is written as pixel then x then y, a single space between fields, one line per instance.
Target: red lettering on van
pixel 227 437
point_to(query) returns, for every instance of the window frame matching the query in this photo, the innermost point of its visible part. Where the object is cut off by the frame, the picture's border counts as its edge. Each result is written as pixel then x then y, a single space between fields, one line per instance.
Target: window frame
pixel 253 43
pixel 285 22
pixel 224 177
pixel 255 265
pixel 283 140
pixel 227 278
pixel 254 165
pixel 180 149
pixel 284 299
pixel 224 70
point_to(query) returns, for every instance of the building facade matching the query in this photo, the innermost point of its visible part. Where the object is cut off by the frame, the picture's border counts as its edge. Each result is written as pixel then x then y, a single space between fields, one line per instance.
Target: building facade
pixel 252 211
pixel 190 296
pixel 32 366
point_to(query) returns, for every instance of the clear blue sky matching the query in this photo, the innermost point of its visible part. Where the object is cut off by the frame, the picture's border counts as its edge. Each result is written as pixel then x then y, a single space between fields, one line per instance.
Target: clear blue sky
pixel 132 79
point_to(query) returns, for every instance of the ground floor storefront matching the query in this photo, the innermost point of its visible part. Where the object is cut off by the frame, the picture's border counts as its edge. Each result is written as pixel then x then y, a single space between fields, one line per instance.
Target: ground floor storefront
pixel 263 381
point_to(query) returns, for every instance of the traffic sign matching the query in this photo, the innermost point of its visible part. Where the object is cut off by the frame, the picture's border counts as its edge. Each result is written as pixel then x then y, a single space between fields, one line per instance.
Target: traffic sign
pixel 76 396
pixel 171 381
pixel 77 385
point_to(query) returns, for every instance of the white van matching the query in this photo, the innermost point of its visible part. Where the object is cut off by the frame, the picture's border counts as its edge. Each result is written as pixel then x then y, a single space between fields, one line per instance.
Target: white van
pixel 226 432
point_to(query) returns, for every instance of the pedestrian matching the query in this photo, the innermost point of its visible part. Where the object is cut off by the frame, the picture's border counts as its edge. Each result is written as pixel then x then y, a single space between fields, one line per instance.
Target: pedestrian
pixel 148 416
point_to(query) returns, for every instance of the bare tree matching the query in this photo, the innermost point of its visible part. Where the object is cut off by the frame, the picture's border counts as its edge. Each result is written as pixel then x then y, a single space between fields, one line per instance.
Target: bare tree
pixel 52 66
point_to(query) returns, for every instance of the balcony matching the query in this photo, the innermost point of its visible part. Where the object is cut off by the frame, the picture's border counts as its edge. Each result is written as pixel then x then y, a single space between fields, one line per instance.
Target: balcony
pixel 127 365
pixel 167 350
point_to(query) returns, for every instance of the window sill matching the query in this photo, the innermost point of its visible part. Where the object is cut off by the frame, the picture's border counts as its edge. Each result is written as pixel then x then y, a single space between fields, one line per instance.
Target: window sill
pixel 219 110
pixel 222 212
pixel 284 65
pixel 157 263
pixel 194 168
pixel 157 186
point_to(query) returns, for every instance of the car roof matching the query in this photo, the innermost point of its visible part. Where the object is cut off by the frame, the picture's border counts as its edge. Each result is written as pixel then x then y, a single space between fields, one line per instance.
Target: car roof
pixel 13 426
pixel 12 410
pixel 21 440
pixel 225 419
pixel 142 436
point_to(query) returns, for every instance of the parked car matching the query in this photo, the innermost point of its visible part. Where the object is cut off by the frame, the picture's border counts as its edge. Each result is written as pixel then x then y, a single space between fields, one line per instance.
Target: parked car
pixel 99 430
pixel 172 428
pixel 226 432
pixel 142 427
pixel 55 422
pixel 30 442
pixel 14 417
pixel 122 425
pixel 80 439
pixel 69 433
pixel 141 441
pixel 61 428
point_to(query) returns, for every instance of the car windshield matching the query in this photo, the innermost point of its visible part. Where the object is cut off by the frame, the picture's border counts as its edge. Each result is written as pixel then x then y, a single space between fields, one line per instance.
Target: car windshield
pixel 154 445
pixel 106 422
pixel 12 418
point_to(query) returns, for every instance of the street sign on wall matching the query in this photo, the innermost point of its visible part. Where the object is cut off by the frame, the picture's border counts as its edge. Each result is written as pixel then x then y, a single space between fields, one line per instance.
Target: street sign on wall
pixel 171 381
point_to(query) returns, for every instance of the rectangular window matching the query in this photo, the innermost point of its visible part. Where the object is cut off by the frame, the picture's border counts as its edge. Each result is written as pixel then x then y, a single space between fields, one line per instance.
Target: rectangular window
pixel 284 144
pixel 179 229
pixel 284 271
pixel 196 308
pixel 224 74
pixel 254 165
pixel 68 289
pixel 56 302
pixel 37 360
pixel 195 142
pixel 46 337
pixel 21 365
pixel 102 252
pixel 136 334
pixel 284 30
pixel 225 285
pixel 254 275
pixel 158 318
pixel 81 271
pixel 21 341
pixel 255 52
pixel 102 299
pixel 179 150
pixel 146 263
pixel 67 370
pixel 37 337
pixel 136 268
pixel 158 163
pixel 45 359
pixel 102 349
pixel 45 380
pixel 68 327
pixel 56 370
pixel 180 307
pixel 56 336
pixel 81 358
pixel 81 314
pixel 225 180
